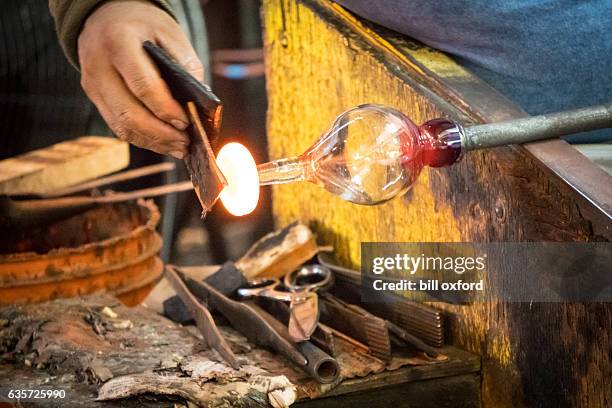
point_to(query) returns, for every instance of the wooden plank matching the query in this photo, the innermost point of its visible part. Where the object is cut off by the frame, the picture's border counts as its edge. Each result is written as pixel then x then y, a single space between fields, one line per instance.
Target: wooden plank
pixel 63 164
pixel 459 362
pixel 460 391
pixel 321 62
pixel 600 153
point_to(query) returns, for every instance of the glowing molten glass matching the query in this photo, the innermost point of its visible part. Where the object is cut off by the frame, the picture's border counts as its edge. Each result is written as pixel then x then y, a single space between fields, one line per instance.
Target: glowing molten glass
pixel 241 195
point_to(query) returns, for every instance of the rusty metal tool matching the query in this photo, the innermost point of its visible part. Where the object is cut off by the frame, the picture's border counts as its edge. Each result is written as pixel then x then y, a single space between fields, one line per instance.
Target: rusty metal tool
pixel 319 365
pixel 411 339
pixel 203 319
pixel 300 286
pixel 204 109
pixel 418 319
pixel 371 322
pixel 280 252
pixel 304 305
pixel 263 329
pixel 358 324
pixel 244 319
pixel 113 178
pixel 25 214
pixel 333 333
pixel 323 336
pixel 226 280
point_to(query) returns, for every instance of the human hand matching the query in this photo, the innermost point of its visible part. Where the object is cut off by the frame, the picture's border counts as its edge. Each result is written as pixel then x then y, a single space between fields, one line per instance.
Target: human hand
pixel 124 84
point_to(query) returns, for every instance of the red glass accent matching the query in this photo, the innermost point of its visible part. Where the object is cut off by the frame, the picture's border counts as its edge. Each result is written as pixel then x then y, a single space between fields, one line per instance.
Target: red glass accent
pixel 441 142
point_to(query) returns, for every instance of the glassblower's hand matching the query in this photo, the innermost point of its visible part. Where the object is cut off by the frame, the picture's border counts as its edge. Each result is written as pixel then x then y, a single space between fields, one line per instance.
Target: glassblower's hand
pixel 123 82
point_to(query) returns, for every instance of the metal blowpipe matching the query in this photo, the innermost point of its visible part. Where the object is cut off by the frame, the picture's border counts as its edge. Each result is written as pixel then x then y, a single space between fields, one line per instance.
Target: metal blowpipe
pixel 373 153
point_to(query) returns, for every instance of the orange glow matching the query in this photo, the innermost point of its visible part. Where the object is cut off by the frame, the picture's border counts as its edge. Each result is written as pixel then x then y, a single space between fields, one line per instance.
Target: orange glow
pixel 241 195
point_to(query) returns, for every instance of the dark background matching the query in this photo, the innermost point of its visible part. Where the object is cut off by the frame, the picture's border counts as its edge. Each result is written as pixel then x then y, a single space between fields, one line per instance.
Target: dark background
pixel 41 103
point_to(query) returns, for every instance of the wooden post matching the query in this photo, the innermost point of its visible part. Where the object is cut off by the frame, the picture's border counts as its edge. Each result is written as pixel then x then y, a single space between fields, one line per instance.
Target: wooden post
pixel 320 61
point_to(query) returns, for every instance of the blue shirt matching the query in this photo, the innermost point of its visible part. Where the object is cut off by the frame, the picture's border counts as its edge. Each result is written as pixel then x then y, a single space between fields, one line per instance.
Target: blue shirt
pixel 545 55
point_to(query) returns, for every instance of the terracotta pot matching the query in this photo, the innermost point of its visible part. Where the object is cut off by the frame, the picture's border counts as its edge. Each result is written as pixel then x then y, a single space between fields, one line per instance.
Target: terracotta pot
pixel 111 248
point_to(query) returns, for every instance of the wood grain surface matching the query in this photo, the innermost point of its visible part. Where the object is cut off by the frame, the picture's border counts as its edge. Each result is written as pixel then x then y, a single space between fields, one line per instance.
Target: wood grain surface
pixel 63 165
pixel 320 61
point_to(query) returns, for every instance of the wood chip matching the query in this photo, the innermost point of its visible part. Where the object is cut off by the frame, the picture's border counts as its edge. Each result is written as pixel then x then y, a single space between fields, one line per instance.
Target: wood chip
pixel 282 398
pixel 123 324
pixel 279 252
pixel 204 393
pixel 108 312
pixel 99 372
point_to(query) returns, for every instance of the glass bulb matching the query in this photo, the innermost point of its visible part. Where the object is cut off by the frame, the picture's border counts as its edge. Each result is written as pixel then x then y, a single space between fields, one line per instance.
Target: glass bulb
pixel 370 154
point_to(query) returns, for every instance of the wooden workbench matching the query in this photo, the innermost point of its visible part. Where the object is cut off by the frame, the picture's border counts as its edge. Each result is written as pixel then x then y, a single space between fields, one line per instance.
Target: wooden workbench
pixel 77 346
pixel 322 60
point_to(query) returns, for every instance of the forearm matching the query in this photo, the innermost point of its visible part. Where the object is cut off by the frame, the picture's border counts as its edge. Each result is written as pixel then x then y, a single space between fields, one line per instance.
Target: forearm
pixel 70 15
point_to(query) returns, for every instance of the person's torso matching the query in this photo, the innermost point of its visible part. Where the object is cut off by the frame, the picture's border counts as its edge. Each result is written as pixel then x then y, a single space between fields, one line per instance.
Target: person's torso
pixel 545 55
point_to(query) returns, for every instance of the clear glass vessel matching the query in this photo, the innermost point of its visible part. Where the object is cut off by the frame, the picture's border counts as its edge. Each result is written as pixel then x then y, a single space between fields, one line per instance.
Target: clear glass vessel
pixel 370 154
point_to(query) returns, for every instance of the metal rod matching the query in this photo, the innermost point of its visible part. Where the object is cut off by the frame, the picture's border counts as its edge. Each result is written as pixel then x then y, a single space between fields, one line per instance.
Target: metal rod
pixel 115 178
pixel 539 127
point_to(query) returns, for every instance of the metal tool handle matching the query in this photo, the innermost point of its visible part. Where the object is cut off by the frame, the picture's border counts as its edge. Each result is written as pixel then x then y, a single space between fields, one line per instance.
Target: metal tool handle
pixel 267 288
pixel 309 278
pixel 264 288
pixel 534 128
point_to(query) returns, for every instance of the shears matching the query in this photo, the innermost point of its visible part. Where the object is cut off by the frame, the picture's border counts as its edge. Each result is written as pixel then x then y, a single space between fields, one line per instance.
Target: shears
pixel 299 290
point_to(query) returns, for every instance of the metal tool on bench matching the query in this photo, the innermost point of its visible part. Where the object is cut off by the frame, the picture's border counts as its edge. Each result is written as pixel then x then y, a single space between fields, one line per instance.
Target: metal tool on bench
pixel 263 329
pixel 24 214
pixel 418 319
pixel 365 328
pixel 279 252
pixel 324 336
pixel 378 333
pixel 113 178
pixel 298 290
pixel 202 317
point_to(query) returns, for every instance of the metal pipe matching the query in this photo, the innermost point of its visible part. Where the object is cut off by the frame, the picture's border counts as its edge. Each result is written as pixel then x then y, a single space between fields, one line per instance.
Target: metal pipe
pixel 318 364
pixel 321 366
pixel 540 127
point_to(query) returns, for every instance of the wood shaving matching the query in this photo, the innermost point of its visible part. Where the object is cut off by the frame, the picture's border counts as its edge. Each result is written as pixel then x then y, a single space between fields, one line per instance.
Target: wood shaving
pixel 108 312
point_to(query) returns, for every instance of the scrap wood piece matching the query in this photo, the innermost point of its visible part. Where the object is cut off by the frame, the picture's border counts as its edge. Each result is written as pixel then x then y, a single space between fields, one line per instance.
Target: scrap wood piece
pixel 279 252
pixel 63 164
pixel 205 388
pixel 67 335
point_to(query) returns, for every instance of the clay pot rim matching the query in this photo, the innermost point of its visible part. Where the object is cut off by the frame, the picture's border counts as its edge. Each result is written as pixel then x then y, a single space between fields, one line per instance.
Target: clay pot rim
pixel 149 225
